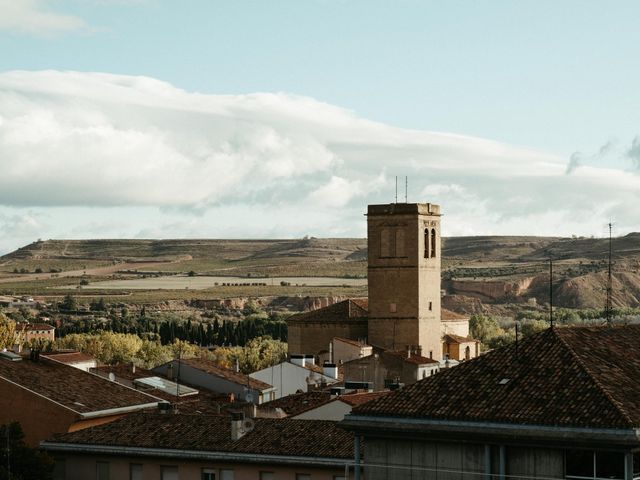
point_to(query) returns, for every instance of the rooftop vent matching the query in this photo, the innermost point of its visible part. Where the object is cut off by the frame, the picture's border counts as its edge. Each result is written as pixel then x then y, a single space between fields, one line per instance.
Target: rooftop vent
pixel 7 355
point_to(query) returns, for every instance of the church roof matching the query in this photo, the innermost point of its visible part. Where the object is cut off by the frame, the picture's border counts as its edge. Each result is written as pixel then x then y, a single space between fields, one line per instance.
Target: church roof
pixel 570 377
pixel 354 308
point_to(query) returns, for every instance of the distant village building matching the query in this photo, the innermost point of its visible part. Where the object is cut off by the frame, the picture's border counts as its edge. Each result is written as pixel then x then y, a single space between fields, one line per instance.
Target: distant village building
pixel 206 374
pixel 74 359
pixel 564 403
pixel 403 310
pixel 299 374
pixel 27 332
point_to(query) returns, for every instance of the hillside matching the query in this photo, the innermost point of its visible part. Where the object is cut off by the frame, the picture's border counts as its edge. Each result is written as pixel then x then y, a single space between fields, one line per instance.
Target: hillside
pixel 494 269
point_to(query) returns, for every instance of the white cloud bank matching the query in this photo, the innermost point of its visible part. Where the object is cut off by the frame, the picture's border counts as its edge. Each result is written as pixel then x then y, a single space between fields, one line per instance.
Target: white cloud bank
pixel 92 154
pixel 33 17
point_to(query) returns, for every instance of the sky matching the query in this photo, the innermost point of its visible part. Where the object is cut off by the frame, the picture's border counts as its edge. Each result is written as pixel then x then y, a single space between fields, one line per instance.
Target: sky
pixel 253 119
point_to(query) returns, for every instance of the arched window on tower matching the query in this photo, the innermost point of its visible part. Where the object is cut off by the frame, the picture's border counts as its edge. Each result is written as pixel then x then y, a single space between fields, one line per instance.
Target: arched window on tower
pixel 426 243
pixel 400 243
pixel 385 243
pixel 433 243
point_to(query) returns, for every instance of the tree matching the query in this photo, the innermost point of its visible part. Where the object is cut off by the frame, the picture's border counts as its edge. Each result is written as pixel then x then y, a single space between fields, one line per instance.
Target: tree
pixel 68 303
pixel 24 463
pixel 7 332
pixel 484 327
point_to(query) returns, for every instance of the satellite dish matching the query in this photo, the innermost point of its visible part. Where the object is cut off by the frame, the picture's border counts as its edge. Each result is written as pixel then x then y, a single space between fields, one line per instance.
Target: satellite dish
pixel 112 377
pixel 248 425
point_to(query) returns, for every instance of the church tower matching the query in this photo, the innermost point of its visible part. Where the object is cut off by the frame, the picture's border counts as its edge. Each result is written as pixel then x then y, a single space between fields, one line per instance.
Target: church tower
pixel 404 277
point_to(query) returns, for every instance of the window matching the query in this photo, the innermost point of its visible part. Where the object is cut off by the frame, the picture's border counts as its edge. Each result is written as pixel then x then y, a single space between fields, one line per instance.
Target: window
pixel 590 464
pixel 303 476
pixel 339 477
pixel 60 469
pixel 385 243
pixel 430 306
pixel 400 243
pixel 467 353
pixel 169 473
pixel 102 470
pixel 226 475
pixel 267 476
pixel 426 243
pixel 609 465
pixel 208 474
pixel 135 471
pixel 433 243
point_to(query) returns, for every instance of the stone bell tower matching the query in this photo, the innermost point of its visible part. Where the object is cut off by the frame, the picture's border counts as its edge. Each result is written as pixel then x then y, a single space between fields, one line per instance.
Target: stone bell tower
pixel 404 277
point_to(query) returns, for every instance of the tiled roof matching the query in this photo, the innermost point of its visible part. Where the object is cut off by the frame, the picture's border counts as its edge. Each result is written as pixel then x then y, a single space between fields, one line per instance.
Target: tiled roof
pixel 361 398
pixel 297 438
pixel 80 391
pixel 355 308
pixel 298 403
pixel 355 343
pixel 451 338
pixel 415 359
pixel 69 357
pixel 449 316
pixel 573 377
pixel 226 373
pixel 33 326
pixel 204 402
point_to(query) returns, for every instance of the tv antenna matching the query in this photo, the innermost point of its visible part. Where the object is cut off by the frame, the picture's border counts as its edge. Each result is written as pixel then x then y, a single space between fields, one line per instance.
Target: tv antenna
pixel 406 189
pixel 396 188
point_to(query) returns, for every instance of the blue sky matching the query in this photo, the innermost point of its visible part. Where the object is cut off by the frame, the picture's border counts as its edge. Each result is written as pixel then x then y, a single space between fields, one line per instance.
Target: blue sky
pixel 542 82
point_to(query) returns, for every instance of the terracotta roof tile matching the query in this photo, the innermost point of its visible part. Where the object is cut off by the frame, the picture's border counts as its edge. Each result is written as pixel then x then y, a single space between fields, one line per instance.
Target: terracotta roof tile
pixel 297 438
pixel 451 338
pixel 298 403
pixel 361 398
pixel 226 373
pixel 576 377
pixel 77 390
pixel 69 357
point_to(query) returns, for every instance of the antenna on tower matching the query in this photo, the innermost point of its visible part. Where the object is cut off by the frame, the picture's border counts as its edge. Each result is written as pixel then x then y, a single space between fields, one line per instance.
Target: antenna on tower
pixel 406 189
pixel 396 189
pixel 609 305
pixel 551 292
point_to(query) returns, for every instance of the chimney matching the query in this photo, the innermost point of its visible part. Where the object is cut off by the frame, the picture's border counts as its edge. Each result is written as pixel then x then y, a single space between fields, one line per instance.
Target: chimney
pixel 170 371
pixel 330 370
pixel 297 360
pixel 331 351
pixel 237 425
pixel 309 360
pixel 164 407
pixel 408 351
pixel 419 350
pixel 237 366
pixel 133 367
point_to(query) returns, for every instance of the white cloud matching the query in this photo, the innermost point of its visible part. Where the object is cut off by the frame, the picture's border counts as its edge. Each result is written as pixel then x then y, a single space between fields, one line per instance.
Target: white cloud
pixel 98 143
pixel 32 16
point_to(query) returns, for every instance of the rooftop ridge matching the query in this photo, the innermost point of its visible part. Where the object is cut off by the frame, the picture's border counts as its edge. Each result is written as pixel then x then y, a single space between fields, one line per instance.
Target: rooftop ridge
pixel 620 408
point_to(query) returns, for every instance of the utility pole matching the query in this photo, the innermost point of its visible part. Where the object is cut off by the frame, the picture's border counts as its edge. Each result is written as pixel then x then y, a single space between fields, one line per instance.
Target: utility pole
pixel 551 292
pixel 609 303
